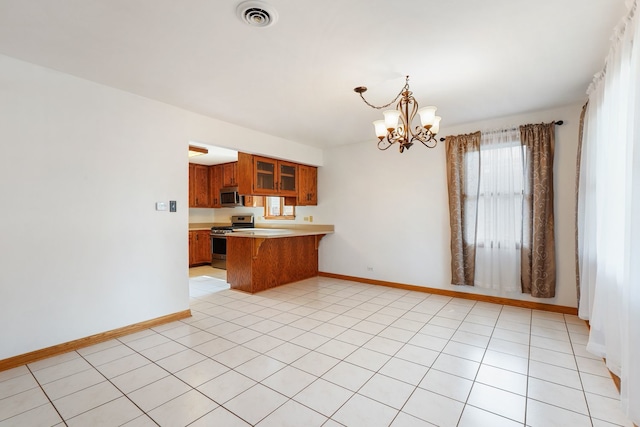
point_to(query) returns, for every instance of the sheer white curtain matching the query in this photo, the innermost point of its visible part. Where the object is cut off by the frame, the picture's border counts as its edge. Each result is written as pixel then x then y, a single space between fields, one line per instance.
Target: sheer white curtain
pixel 609 213
pixel 499 221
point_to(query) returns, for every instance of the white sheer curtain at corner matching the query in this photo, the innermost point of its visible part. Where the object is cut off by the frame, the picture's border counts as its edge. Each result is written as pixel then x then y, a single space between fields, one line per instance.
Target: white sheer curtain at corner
pixel 499 226
pixel 609 213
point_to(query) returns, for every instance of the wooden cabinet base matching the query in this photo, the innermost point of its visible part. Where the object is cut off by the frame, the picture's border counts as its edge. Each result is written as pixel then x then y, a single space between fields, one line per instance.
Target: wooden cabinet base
pixel 256 264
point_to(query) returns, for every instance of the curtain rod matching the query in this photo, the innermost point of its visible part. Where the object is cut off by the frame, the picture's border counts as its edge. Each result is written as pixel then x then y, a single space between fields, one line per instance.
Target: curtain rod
pixel 559 123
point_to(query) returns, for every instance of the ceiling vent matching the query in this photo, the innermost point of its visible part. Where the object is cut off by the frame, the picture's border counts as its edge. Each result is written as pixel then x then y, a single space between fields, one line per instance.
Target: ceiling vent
pixel 257 14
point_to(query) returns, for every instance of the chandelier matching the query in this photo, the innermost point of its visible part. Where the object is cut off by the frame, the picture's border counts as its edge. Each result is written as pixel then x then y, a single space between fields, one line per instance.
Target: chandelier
pixel 396 126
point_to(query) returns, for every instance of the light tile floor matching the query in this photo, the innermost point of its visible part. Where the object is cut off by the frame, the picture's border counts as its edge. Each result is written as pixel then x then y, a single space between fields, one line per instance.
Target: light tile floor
pixel 324 352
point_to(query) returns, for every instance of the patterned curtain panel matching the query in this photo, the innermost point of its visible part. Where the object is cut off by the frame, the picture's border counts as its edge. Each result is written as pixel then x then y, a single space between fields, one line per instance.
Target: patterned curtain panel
pixel 538 275
pixel 463 177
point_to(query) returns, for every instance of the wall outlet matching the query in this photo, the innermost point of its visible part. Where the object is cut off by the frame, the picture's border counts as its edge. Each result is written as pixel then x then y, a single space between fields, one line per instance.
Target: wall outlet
pixel 369 268
pixel 306 218
pixel 310 218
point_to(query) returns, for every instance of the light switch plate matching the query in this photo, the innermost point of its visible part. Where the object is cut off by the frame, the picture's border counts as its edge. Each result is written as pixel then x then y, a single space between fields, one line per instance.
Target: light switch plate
pixel 161 206
pixel 172 205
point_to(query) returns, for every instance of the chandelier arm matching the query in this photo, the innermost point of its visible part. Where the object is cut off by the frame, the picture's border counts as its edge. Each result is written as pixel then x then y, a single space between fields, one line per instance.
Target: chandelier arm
pixel 380 145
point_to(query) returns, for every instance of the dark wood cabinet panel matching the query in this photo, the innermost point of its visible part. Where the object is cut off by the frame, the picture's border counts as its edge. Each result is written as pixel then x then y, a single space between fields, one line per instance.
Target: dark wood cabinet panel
pixel 215 183
pixel 307 185
pixel 229 178
pixel 199 192
pixel 199 247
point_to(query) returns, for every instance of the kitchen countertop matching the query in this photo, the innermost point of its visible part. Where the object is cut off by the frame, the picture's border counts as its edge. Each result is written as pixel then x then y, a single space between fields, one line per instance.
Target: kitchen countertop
pixel 274 233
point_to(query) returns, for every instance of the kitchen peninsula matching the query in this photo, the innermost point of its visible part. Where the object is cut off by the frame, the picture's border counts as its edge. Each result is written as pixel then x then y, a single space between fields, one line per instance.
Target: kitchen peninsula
pixel 263 258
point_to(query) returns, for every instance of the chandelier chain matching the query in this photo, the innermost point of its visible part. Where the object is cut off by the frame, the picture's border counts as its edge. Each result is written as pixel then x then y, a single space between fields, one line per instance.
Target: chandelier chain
pixel 405 88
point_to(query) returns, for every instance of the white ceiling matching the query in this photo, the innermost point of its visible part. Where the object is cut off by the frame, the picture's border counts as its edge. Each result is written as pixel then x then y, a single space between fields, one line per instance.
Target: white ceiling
pixel 473 59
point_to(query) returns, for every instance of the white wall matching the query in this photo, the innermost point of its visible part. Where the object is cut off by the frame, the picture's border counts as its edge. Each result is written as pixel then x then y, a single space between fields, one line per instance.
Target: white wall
pixel 390 210
pixel 82 250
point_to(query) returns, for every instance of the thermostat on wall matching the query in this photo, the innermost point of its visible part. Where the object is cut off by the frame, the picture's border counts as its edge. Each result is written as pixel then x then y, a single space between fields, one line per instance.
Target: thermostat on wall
pixel 161 206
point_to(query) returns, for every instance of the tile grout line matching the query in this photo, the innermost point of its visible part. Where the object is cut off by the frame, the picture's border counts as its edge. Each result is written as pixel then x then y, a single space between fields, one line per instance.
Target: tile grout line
pixel 47 395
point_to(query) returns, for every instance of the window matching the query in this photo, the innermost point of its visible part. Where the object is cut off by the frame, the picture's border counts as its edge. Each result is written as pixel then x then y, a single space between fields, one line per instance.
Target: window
pixel 495 173
pixel 277 208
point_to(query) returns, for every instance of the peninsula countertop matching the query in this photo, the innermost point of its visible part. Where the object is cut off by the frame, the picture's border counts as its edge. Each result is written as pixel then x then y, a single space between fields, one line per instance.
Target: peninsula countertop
pixel 274 233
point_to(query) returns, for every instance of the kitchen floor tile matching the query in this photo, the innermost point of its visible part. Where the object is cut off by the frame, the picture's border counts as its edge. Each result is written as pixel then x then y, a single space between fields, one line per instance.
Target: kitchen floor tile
pixel 500 402
pixel 138 378
pixel 183 410
pixel 113 413
pixel 86 399
pixel 502 379
pixel 72 383
pixel 434 408
pixel 448 385
pixel 235 356
pixel 181 360
pixel 17 384
pixel 226 386
pixel 289 381
pixel 362 411
pixel 348 375
pixel 323 397
pixel 43 415
pixel 22 402
pixel 199 373
pixel 368 359
pixel 403 370
pixel 260 367
pixel 387 390
pixel 476 417
pixel 255 403
pixel 540 414
pixel 288 352
pixel 155 394
pixel 421 355
pixel 220 417
pixel 293 414
pixel 558 395
pixel 315 363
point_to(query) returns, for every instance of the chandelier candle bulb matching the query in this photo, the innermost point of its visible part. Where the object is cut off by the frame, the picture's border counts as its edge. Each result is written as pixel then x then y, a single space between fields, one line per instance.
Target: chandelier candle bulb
pixel 381 129
pixel 391 118
pixel 435 128
pixel 427 116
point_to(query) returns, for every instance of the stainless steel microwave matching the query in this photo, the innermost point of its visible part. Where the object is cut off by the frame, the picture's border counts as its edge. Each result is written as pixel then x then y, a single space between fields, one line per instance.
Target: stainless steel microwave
pixel 230 198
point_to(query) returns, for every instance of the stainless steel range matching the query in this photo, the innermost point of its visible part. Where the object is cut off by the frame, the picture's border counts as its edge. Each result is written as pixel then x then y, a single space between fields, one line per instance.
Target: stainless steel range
pixel 219 239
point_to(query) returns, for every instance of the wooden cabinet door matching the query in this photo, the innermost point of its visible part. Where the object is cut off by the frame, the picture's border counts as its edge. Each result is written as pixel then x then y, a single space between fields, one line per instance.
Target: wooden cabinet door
pixel 201 243
pixel 192 251
pixel 307 185
pixel 215 183
pixel 202 247
pixel 192 185
pixel 199 186
pixel 265 176
pixel 287 182
pixel 229 171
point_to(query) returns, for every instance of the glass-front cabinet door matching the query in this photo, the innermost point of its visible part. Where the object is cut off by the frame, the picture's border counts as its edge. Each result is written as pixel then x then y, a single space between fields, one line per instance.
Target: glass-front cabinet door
pixel 265 179
pixel 274 177
pixel 287 178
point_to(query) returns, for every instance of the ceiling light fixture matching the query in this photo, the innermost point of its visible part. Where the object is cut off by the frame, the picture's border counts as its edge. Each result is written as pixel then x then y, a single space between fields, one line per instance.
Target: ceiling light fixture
pixel 396 126
pixel 197 151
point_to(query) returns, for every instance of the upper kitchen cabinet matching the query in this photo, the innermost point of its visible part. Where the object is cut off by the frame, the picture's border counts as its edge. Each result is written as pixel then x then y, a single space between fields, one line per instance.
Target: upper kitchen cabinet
pixel 262 176
pixel 215 183
pixel 307 185
pixel 229 174
pixel 199 190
